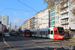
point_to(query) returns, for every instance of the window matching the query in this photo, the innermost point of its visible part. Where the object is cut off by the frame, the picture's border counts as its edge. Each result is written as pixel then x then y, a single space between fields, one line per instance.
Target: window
pixel 3 19
pixel 53 13
pixel 53 21
pixel 28 31
pixel 43 32
pixel 48 31
pixel 60 30
pixel 53 17
pixel 0 22
pixel 55 32
pixel 58 21
pixel 57 12
pixel 51 32
pixel 65 14
pixel 58 17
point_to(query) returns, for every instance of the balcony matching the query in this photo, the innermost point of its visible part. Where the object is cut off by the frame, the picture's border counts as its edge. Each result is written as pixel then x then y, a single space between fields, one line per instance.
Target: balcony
pixel 63 1
pixel 65 17
pixel 57 9
pixel 64 22
pixel 65 26
pixel 63 7
pixel 64 11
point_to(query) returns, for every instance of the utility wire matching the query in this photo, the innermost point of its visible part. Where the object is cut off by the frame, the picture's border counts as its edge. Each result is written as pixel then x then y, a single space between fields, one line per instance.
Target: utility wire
pixel 3 10
pixel 27 6
pixel 18 9
pixel 14 9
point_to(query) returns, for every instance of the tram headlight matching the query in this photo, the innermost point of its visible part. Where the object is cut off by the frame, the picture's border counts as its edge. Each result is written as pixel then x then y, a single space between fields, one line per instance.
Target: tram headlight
pixel 59 36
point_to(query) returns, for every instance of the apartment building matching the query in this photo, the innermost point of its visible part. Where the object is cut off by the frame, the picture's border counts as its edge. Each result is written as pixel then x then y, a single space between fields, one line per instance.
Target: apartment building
pixel 72 14
pixel 36 21
pixel 43 19
pixel 26 24
pixel 4 19
pixel 57 14
pixel 52 18
pixel 39 20
pixel 32 22
pixel 64 13
pixel 60 13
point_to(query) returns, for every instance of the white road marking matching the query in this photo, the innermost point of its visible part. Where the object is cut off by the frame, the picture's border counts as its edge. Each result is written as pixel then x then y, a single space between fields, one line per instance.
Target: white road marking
pixel 5 41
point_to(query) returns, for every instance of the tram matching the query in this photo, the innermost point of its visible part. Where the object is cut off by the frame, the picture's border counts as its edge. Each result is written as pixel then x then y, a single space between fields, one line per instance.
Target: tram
pixel 52 33
pixel 26 33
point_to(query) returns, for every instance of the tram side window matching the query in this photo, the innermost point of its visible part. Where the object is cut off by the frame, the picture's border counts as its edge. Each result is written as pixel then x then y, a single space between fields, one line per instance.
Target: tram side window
pixel 32 32
pixel 36 32
pixel 51 32
pixel 40 32
pixel 55 32
pixel 48 31
pixel 43 32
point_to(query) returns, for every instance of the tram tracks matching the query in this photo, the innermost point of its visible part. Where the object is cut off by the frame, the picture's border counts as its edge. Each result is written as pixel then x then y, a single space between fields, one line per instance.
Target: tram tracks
pixel 39 41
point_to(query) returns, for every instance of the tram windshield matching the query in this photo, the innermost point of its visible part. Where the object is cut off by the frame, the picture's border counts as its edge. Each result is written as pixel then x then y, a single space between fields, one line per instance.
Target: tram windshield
pixel 60 30
pixel 27 31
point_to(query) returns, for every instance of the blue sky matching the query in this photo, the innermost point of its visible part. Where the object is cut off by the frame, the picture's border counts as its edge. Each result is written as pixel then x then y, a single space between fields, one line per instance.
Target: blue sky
pixel 24 12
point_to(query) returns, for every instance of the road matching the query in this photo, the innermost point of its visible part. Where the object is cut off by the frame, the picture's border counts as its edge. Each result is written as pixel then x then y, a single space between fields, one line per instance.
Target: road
pixel 31 43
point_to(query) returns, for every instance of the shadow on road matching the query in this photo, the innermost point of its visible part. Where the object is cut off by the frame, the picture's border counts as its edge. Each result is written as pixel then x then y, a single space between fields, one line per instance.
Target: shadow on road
pixel 47 48
pixel 1 39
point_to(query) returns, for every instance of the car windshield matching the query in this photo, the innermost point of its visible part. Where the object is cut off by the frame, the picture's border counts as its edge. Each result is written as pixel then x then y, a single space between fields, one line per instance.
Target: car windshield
pixel 28 31
pixel 60 30
pixel 5 33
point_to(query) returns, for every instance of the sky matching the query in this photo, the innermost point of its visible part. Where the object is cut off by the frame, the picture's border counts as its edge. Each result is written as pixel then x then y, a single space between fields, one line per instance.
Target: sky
pixel 18 12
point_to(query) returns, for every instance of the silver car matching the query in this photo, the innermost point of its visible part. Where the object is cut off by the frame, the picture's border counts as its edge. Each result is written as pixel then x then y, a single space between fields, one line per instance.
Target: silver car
pixel 6 35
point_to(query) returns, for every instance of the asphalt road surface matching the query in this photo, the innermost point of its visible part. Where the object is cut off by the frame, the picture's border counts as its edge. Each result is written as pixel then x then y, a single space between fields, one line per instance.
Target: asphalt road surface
pixel 33 43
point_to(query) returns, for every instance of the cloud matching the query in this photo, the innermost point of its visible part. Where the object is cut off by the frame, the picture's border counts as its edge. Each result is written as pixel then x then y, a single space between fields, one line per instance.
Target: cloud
pixel 15 13
pixel 16 20
pixel 26 14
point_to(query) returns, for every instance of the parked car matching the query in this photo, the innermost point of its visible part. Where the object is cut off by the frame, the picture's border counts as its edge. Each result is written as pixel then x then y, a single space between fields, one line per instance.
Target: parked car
pixel 6 35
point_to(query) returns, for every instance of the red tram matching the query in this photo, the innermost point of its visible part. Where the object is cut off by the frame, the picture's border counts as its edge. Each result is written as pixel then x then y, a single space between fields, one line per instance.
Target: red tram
pixel 27 33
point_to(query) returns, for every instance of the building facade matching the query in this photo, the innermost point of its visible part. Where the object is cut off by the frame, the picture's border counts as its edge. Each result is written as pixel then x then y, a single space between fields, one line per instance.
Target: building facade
pixel 60 14
pixel 26 24
pixel 64 14
pixel 52 18
pixel 57 14
pixel 43 19
pixel 39 20
pixel 4 19
pixel 32 22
